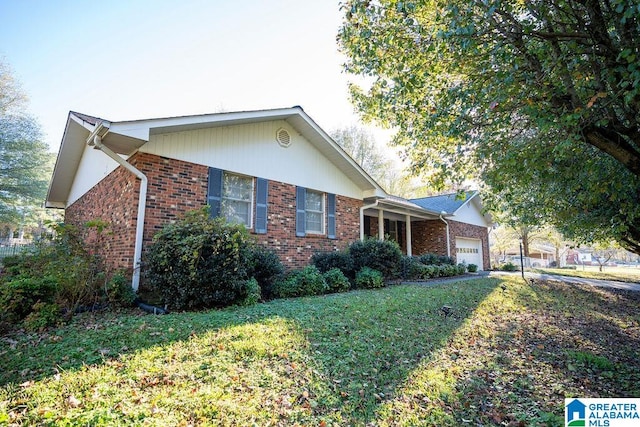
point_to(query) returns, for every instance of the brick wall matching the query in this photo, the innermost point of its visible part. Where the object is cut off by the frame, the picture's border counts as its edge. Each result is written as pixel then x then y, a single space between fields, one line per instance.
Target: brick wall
pixel 281 227
pixel 115 201
pixel 429 236
pixel 175 187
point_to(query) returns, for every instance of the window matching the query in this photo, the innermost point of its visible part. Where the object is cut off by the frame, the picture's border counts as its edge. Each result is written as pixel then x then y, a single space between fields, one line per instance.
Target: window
pixel 314 209
pixel 311 212
pixel 237 195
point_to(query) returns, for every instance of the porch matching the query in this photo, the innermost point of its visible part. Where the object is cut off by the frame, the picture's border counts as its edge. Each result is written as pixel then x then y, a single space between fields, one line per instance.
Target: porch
pixel 415 229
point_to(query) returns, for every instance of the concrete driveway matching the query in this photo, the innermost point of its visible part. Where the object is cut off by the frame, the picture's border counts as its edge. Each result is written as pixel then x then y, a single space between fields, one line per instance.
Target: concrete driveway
pixel 569 279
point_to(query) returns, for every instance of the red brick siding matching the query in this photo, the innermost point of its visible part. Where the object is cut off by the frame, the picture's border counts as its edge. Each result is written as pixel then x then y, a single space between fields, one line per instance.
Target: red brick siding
pixel 460 229
pixel 281 227
pixel 429 236
pixel 113 200
pixel 175 187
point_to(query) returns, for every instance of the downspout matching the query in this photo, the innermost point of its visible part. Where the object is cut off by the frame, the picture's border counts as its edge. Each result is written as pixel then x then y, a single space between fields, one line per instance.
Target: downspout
pixel 373 205
pixel 95 139
pixel 447 224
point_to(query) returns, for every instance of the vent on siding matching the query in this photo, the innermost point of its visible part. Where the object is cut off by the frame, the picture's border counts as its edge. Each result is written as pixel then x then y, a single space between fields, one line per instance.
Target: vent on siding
pixel 283 137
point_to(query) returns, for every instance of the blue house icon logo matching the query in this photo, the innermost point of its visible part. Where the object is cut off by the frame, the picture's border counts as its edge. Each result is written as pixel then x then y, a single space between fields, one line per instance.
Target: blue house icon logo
pixel 575 415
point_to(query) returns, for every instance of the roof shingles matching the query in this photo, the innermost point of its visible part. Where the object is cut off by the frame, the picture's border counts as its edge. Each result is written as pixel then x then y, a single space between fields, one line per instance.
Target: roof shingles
pixel 448 203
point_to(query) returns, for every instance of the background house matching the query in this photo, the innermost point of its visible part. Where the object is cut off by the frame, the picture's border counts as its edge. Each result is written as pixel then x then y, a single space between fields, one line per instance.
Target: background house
pixel 276 171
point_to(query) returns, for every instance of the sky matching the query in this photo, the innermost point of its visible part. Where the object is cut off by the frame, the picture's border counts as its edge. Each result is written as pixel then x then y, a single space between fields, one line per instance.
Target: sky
pixel 137 59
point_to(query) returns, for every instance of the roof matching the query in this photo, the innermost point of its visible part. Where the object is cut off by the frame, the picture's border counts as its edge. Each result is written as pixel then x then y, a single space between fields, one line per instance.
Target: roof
pixel 448 203
pixel 126 137
pixel 87 118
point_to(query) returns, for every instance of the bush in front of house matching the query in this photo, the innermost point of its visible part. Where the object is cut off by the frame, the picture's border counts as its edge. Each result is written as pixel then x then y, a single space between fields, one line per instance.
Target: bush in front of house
pixel 410 268
pixel 472 268
pixel 265 266
pixel 382 255
pixel 252 295
pixel 368 278
pixel 55 276
pixel 434 259
pixel 336 281
pixel 326 261
pixel 300 283
pixel 19 296
pixel 199 262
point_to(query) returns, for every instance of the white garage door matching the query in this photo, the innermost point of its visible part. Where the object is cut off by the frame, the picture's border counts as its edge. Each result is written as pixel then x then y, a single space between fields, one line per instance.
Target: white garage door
pixel 469 251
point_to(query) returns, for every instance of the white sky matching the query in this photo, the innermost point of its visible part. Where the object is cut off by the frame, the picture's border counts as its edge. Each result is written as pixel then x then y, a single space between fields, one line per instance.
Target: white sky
pixel 136 59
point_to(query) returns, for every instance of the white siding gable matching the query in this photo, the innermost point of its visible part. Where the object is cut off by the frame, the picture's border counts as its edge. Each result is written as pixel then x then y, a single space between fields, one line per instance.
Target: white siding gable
pixel 470 214
pixel 252 149
pixel 94 166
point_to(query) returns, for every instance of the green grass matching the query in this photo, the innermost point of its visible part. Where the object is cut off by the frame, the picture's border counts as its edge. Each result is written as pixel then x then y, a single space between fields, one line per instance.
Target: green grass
pixel 379 357
pixel 620 274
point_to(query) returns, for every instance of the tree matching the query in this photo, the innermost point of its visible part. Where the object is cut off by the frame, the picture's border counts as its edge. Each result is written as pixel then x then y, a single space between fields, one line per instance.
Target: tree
pixel 362 147
pixel 511 91
pixel 12 98
pixel 25 164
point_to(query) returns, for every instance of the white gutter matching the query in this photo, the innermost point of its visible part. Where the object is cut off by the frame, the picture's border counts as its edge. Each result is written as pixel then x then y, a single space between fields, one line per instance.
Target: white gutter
pixel 448 243
pixel 95 139
pixel 373 205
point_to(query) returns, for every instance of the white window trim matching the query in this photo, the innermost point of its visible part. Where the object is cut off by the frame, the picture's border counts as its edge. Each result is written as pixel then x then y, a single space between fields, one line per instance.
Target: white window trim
pixel 322 213
pixel 251 198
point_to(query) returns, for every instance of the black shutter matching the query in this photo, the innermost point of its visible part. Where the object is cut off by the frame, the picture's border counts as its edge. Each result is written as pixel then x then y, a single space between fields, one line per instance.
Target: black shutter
pixel 214 198
pixel 331 216
pixel 262 186
pixel 301 214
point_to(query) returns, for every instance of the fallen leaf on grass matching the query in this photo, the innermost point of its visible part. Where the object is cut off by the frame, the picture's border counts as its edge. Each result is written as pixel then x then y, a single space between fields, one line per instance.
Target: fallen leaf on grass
pixel 73 401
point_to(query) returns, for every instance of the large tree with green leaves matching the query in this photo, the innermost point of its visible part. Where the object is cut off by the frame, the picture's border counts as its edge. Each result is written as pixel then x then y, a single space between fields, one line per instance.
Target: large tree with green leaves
pixel 524 95
pixel 25 163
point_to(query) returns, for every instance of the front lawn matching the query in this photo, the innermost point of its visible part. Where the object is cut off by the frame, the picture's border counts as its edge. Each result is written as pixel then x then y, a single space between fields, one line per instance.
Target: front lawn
pixel 379 357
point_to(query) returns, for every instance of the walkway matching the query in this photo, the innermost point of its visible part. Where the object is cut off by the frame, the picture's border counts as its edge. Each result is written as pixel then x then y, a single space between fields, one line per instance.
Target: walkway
pixel 549 277
pixel 570 279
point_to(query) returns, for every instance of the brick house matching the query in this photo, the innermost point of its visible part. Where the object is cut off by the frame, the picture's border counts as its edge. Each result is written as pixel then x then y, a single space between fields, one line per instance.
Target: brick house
pixel 276 171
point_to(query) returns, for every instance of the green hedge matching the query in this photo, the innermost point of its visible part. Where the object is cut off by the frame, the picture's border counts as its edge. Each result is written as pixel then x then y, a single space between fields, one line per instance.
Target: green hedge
pixel 200 262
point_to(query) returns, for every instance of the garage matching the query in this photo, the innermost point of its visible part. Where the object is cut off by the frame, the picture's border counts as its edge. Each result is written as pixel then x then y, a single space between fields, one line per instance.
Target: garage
pixel 469 251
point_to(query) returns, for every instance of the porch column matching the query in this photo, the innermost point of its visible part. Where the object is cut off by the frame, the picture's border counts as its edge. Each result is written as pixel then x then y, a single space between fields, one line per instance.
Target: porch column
pixel 380 224
pixel 408 235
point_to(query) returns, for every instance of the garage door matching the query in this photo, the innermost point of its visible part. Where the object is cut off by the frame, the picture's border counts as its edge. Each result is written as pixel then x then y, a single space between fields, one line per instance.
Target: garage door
pixel 469 251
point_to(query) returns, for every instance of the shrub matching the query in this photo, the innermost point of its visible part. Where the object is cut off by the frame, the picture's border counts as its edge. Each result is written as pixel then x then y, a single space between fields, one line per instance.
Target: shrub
pixel 429 271
pixel 252 292
pixel 472 268
pixel 326 261
pixel 42 316
pixel 265 266
pixel 119 290
pixel 20 295
pixel 336 280
pixel 299 283
pixel 429 259
pixel 434 259
pixel 509 267
pixel 410 268
pixel 368 278
pixel 446 260
pixel 199 262
pixel 381 255
pixel 68 261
